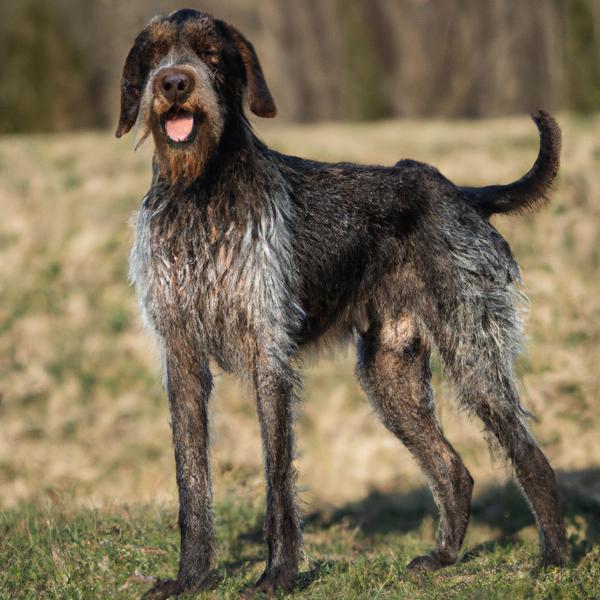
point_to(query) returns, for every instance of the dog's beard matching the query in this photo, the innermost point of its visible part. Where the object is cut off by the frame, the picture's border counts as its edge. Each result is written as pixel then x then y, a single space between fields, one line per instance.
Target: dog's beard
pixel 179 164
pixel 185 164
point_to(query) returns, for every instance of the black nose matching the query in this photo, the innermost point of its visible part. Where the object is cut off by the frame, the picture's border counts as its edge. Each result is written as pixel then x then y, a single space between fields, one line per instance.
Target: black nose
pixel 175 85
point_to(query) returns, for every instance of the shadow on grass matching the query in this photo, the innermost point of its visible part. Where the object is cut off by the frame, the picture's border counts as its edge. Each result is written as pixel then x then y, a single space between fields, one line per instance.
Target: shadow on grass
pixel 378 513
pixel 237 566
pixel 500 507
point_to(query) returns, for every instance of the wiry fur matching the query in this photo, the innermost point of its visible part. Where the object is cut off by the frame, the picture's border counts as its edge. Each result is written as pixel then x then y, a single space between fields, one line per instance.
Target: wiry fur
pixel 249 256
pixel 533 187
pixel 241 245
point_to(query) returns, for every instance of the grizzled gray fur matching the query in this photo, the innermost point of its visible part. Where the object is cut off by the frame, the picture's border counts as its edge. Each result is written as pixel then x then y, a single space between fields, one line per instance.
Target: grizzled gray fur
pixel 247 256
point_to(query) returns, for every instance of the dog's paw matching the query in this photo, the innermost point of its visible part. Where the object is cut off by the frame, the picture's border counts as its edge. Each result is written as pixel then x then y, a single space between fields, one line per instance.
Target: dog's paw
pixel 270 582
pixel 162 589
pixel 427 562
pixel 171 588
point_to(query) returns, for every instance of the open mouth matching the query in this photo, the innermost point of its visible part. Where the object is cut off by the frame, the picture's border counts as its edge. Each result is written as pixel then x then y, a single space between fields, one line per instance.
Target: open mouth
pixel 179 126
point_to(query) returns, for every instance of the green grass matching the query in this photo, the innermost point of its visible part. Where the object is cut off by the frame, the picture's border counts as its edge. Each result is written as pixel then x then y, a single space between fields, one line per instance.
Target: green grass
pixel 358 551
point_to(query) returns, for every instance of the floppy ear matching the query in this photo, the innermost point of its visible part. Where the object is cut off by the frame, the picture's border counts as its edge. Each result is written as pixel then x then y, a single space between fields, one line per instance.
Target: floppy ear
pixel 131 87
pixel 259 97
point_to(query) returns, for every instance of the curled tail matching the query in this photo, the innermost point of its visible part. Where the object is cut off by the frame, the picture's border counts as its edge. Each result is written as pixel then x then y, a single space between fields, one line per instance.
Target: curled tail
pixel 525 193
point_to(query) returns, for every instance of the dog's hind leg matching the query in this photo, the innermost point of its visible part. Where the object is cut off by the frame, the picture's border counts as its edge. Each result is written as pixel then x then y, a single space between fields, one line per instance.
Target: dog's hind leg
pixel 478 338
pixel 275 395
pixel 535 476
pixel 393 368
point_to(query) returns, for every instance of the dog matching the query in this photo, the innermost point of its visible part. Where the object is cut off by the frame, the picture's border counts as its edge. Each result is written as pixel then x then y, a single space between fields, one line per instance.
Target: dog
pixel 248 257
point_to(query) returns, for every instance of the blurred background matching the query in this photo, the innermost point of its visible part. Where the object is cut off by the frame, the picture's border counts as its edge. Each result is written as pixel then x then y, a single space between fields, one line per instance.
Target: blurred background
pixel 326 59
pixel 82 413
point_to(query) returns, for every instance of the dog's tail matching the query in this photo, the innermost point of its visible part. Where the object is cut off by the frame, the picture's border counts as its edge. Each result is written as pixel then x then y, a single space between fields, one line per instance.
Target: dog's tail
pixel 525 193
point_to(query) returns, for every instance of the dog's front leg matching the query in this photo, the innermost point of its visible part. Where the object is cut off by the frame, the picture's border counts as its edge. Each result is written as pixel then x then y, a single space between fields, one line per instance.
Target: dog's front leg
pixel 275 391
pixel 188 382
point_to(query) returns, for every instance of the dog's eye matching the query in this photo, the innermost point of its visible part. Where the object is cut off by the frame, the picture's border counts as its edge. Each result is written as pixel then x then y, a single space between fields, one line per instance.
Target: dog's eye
pixel 210 55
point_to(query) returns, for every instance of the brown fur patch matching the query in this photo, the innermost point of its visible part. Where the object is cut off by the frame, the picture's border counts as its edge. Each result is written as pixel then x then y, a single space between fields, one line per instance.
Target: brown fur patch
pixel 183 166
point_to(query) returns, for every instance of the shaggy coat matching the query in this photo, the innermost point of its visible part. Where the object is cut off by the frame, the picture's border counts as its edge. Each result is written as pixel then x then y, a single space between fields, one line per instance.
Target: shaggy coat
pixel 247 256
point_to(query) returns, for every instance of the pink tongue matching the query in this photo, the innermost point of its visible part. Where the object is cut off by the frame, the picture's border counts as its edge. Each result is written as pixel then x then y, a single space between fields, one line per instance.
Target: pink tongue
pixel 179 128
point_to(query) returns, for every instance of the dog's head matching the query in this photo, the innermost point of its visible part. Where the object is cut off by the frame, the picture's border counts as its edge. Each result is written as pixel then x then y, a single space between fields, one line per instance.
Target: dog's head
pixel 184 78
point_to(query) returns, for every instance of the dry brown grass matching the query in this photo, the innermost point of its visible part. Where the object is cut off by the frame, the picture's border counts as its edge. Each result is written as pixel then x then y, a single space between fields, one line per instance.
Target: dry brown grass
pixel 82 414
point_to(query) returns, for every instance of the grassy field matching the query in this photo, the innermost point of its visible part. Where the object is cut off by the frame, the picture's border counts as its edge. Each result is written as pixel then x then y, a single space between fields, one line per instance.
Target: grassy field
pixel 87 486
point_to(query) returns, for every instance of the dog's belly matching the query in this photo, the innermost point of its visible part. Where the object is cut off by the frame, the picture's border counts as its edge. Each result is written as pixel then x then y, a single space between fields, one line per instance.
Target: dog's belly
pixel 336 289
pixel 333 305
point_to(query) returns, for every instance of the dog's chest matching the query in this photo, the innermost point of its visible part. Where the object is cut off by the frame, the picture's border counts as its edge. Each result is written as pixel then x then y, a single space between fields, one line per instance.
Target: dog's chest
pixel 223 276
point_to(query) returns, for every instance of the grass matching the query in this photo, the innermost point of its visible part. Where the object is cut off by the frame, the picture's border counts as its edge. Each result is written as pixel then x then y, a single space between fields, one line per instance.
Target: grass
pixel 60 552
pixel 87 487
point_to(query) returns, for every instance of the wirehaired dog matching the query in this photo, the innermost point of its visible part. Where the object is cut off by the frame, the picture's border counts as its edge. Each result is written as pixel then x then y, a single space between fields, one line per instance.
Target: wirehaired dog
pixel 247 256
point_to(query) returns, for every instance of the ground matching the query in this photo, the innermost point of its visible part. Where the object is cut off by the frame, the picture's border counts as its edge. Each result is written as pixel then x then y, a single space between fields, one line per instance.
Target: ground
pixel 87 486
